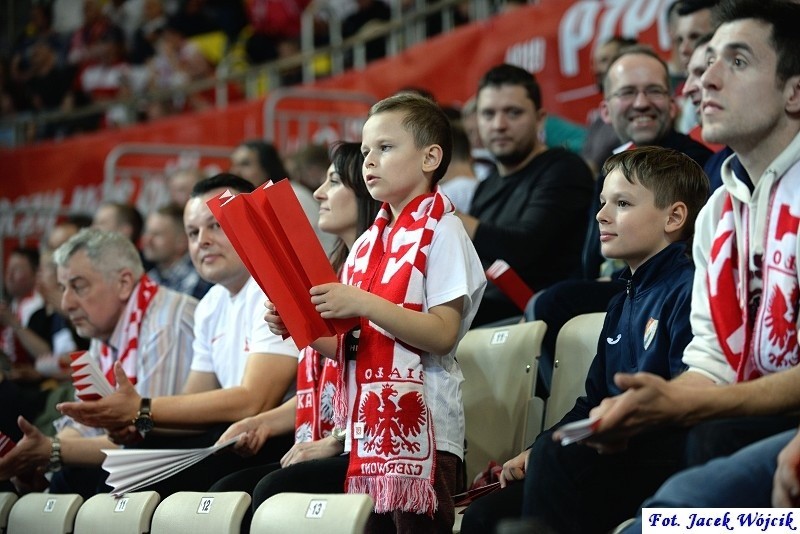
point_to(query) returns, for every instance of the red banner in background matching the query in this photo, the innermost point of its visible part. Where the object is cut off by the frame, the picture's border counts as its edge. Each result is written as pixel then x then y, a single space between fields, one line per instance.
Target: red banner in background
pixel 553 39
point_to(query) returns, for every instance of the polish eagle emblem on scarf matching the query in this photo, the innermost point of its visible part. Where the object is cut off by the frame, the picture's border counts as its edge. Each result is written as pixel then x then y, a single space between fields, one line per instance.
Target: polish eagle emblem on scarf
pixel 390 424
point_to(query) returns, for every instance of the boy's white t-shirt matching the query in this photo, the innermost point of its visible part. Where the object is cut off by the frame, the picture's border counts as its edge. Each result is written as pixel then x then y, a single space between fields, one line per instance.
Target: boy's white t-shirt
pixel 444 282
pixel 228 328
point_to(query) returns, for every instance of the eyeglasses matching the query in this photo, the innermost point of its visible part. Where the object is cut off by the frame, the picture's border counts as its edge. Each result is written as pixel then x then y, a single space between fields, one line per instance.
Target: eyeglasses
pixel 653 94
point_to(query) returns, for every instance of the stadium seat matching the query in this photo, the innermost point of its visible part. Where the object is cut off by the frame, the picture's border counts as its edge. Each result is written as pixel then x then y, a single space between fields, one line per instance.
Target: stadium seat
pixel 44 513
pixel 191 512
pixel 7 500
pixel 129 514
pixel 576 347
pixel 499 366
pixel 342 513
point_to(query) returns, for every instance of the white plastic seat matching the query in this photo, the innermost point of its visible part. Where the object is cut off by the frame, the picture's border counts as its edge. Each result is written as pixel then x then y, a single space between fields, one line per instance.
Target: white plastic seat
pixel 44 513
pixel 576 347
pixel 7 500
pixel 342 513
pixel 129 514
pixel 499 366
pixel 191 512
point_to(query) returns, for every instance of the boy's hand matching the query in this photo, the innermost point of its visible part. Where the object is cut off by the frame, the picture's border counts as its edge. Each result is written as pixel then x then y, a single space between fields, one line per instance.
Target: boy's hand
pixel 339 301
pixel 274 320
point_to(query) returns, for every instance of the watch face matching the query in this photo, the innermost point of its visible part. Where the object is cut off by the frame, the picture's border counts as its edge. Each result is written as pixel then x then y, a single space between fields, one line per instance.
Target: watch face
pixel 144 424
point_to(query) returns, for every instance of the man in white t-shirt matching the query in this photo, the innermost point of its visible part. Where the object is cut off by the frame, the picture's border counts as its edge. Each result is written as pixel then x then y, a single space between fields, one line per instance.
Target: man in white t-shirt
pixel 239 368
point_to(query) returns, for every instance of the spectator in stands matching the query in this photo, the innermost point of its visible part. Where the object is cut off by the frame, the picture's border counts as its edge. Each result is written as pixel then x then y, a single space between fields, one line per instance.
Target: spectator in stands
pixel 108 77
pixel 48 83
pixel 65 229
pixel 50 324
pixel 739 388
pixel 692 91
pixel 309 165
pixel 165 245
pixel 693 22
pixel 146 36
pixel 119 217
pixel 85 44
pixel 258 161
pixel 131 320
pixel 601 139
pixel 368 16
pixel 23 301
pixel 482 160
pixel 531 212
pixel 639 106
pixel 348 210
pixel 273 23
pixel 459 182
pixel 177 63
pixel 650 199
pixel 39 29
pixel 180 184
pixel 239 367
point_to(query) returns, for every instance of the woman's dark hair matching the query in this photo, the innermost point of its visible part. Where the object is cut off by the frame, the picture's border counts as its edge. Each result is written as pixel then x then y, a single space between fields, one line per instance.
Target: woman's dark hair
pixel 348 161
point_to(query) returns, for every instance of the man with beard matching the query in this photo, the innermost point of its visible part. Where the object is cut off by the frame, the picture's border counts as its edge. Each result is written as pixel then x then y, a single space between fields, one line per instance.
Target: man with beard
pixel 531 211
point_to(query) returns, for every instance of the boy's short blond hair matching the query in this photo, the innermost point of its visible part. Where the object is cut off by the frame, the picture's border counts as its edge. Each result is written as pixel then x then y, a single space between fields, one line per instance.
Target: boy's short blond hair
pixel 671 175
pixel 425 121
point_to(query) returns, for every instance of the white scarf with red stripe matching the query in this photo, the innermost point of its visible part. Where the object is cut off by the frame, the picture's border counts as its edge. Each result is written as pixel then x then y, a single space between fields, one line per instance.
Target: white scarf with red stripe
pixel 128 343
pixel 770 344
pixel 393 448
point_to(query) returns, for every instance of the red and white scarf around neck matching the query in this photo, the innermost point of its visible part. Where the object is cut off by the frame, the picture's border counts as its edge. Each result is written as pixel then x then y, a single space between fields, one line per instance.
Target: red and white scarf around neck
pixel 128 343
pixel 394 458
pixel 770 344
pixel 316 385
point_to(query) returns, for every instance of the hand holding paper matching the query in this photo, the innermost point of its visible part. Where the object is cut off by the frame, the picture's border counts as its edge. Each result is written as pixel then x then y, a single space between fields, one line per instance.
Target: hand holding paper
pixel 274 239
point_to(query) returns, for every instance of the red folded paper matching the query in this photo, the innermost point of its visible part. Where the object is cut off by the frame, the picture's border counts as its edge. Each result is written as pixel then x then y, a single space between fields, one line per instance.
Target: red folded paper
pixel 274 239
pixel 510 283
pixel 464 499
pixel 6 444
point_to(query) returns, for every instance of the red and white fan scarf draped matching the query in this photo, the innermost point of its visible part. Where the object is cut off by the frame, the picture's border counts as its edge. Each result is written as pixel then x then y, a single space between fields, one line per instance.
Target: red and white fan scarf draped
pixel 394 460
pixel 316 384
pixel 770 344
pixel 128 347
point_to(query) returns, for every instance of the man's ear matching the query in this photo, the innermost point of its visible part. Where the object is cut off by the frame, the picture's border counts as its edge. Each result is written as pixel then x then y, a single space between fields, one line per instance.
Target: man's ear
pixel 605 114
pixel 126 282
pixel 677 218
pixel 793 95
pixel 432 159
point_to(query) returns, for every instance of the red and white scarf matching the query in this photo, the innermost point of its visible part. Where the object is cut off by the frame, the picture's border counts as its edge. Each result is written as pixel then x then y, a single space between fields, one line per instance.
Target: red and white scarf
pixel 128 343
pixel 316 386
pixel 767 342
pixel 391 431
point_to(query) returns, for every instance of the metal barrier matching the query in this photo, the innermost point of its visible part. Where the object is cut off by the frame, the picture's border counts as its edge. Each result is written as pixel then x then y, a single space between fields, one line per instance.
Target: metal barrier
pixel 294 117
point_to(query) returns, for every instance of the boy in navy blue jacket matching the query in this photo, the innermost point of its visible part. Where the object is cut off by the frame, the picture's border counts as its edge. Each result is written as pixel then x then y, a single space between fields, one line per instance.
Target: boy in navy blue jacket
pixel 649 202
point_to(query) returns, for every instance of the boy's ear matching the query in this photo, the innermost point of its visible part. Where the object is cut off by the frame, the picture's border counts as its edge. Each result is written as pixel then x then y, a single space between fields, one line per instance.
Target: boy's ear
pixel 432 159
pixel 676 220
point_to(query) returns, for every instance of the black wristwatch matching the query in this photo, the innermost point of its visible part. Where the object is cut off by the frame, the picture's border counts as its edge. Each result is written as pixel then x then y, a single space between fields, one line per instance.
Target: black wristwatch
pixel 144 421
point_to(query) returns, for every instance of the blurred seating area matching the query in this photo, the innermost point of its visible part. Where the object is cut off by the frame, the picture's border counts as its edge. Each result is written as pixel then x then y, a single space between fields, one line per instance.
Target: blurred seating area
pixel 69 66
